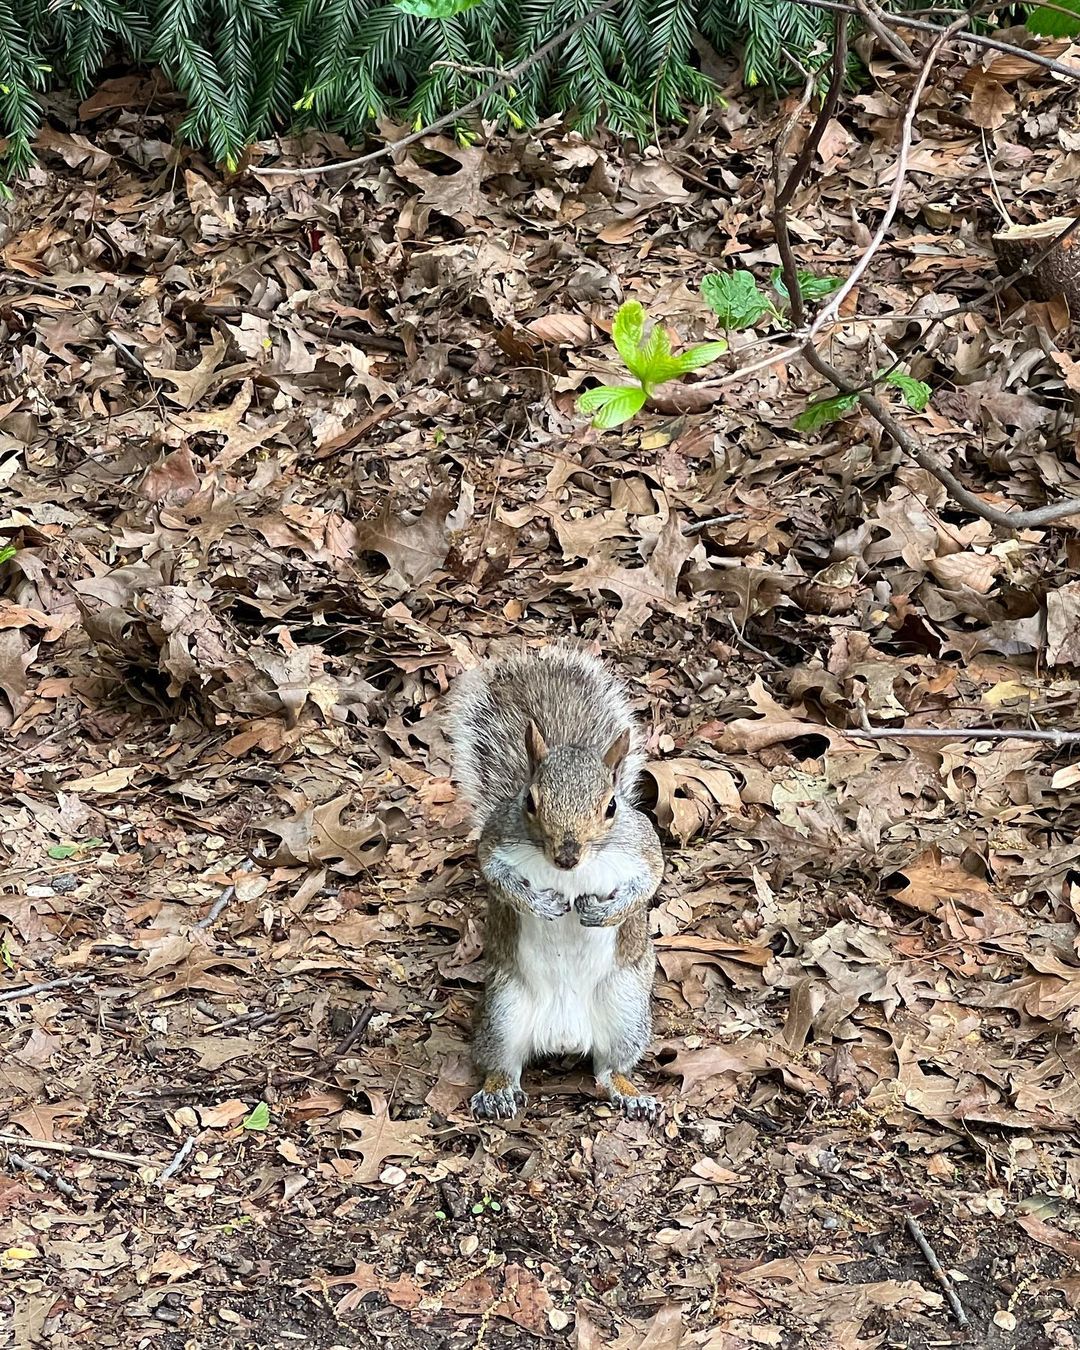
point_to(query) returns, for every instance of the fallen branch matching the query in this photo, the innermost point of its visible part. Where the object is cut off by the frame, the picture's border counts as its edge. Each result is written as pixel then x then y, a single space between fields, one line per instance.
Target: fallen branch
pixel 963 734
pixel 832 308
pixel 976 39
pixel 506 77
pixel 904 438
pixel 44 1174
pixel 29 990
pixel 177 1161
pixel 75 1150
pixel 930 1256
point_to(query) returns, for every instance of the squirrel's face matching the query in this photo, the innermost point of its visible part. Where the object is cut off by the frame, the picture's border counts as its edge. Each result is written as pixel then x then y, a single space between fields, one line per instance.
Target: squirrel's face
pixel 570 802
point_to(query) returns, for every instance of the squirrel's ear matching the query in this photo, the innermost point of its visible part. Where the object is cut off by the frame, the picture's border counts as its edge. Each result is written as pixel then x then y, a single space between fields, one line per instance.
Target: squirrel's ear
pixel 616 751
pixel 535 746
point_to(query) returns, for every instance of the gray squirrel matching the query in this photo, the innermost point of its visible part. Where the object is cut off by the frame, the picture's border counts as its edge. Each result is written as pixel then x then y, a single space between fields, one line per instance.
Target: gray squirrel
pixel 547 753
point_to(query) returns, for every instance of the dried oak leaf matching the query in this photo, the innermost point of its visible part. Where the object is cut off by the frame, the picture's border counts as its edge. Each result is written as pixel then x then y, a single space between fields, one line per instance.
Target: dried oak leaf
pixel 315 834
pixel 415 547
pixel 192 384
pixel 639 589
pixel 1063 625
pixel 688 794
pixel 381 1138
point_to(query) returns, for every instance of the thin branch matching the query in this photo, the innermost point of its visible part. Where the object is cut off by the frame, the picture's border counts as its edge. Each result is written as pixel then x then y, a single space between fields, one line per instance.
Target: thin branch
pixel 829 311
pixel 824 117
pixel 907 441
pixel 963 734
pixel 507 77
pixel 976 39
pixel 177 1161
pixel 874 20
pixel 44 1174
pixel 75 1150
pixel 931 1258
pixel 29 990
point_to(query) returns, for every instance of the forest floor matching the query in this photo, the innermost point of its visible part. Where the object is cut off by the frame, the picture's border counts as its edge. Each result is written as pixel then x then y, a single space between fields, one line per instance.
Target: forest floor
pixel 279 458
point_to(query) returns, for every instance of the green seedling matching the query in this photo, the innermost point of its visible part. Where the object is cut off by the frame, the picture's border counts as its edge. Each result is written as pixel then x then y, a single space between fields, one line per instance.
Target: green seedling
pixel 258 1118
pixel 649 360
pixel 915 393
pixel 486 1206
pixel 62 851
pixel 739 302
pixel 7 552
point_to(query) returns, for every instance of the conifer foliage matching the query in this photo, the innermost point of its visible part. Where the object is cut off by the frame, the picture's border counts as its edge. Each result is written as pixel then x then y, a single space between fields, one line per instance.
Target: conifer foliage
pixel 250 68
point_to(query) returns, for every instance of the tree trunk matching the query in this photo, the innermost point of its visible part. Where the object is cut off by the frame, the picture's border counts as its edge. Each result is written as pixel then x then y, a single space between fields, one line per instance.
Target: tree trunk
pixel 1019 249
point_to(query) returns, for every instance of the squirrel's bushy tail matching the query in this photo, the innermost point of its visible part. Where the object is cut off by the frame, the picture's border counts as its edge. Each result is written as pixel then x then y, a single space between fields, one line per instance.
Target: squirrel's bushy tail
pixel 569 694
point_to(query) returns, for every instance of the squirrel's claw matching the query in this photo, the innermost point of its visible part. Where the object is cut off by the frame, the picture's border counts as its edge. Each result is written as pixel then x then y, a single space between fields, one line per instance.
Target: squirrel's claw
pixel 641 1108
pixel 549 904
pixel 501 1104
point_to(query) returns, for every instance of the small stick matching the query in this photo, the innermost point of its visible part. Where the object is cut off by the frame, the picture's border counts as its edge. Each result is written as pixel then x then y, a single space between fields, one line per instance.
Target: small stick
pixel 28 990
pixel 76 1150
pixel 724 519
pixel 355 1033
pixel 178 1159
pixel 43 1174
pixel 939 1274
pixel 257 1018
pixel 223 899
pixel 964 734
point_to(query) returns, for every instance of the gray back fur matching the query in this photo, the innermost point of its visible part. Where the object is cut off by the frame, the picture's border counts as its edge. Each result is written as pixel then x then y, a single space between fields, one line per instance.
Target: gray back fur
pixel 569 694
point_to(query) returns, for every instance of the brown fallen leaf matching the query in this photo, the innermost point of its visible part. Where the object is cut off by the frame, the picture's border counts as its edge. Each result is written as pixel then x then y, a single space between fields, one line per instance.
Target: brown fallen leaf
pixel 380 1138
pixel 639 589
pixel 991 104
pixel 415 546
pixel 315 834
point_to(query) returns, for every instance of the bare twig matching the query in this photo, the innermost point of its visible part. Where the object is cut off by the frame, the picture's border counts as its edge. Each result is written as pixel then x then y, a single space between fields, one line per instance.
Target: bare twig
pixel 256 1019
pixel 874 20
pixel 725 518
pixel 907 441
pixel 75 1150
pixel 178 1159
pixel 44 1174
pixel 507 77
pixel 829 311
pixel 29 990
pixel 938 1270
pixel 963 734
pixel 222 901
pixel 352 1037
pixel 975 39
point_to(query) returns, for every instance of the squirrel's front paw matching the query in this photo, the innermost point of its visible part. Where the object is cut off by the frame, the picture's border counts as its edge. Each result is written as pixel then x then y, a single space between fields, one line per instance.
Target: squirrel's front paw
pixel 498 1104
pixel 548 904
pixel 598 911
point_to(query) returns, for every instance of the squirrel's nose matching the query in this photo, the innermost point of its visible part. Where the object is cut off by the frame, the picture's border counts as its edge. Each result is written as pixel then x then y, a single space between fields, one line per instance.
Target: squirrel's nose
pixel 568 854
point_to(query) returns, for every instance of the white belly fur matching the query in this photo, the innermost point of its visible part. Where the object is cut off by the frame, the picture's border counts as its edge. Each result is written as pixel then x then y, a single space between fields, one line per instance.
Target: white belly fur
pixel 564 990
pixel 567 989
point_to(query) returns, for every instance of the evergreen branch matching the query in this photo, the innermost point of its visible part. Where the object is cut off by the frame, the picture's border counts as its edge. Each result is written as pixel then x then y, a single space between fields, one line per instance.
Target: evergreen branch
pixel 448 119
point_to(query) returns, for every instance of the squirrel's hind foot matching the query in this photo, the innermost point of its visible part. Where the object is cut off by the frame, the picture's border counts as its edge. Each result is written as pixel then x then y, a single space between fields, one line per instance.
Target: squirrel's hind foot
pixel 497 1100
pixel 624 1096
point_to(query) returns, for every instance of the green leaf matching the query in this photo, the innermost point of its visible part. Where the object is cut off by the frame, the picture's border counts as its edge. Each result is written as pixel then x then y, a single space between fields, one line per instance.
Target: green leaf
pixel 811 286
pixel 1051 23
pixel 258 1118
pixel 627 333
pixel 62 850
pixel 824 411
pixel 914 392
pixel 735 299
pixel 693 358
pixel 612 404
pixel 7 551
pixel 656 361
pixel 435 9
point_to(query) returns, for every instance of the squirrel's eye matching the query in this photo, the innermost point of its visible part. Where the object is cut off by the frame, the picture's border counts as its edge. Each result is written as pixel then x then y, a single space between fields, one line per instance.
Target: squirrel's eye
pixel 530 805
pixel 609 810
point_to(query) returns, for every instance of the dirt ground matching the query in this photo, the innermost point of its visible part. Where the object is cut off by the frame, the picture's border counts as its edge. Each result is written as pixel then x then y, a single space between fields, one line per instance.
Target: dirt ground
pixel 277 461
